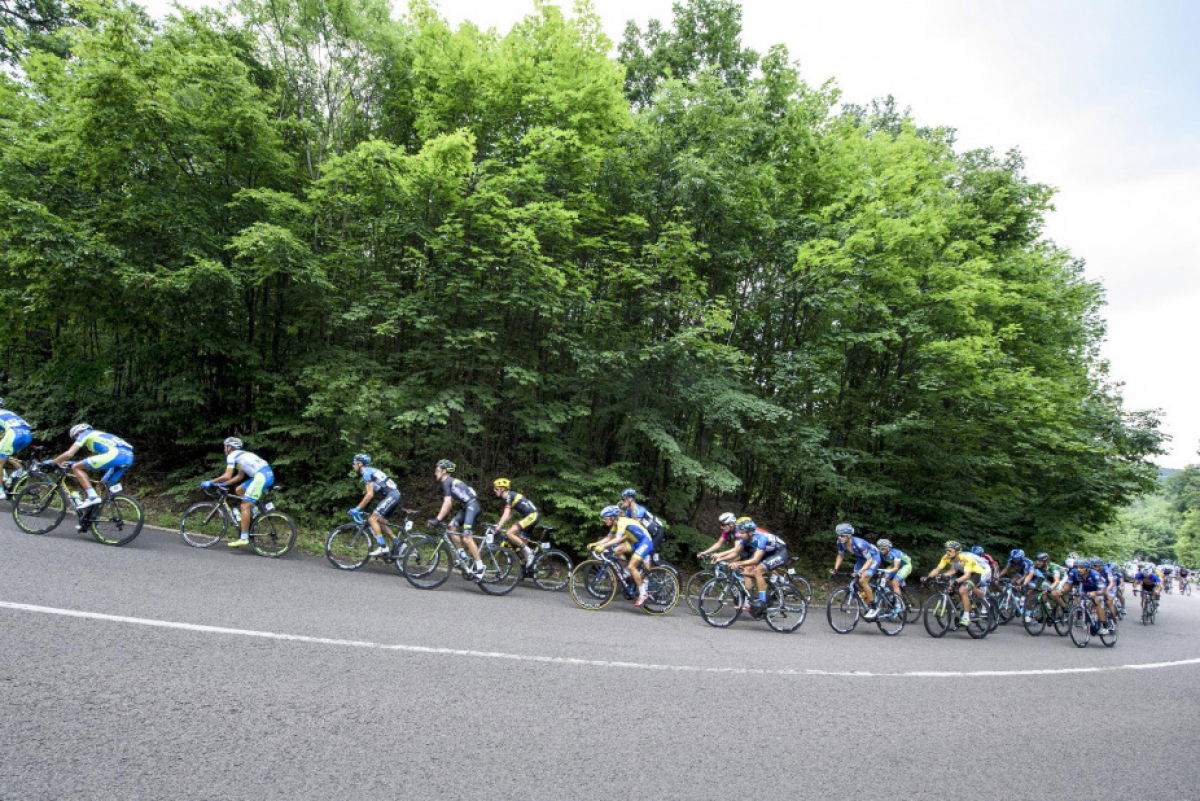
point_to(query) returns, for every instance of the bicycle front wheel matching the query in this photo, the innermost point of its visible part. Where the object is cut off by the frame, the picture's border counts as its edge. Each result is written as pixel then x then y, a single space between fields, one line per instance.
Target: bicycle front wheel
pixel 801 584
pixel 427 562
pixel 40 507
pixel 592 585
pixel 787 609
pixel 662 591
pixel 203 525
pixel 891 616
pixel 501 571
pixel 719 602
pixel 938 614
pixel 1081 627
pixel 691 590
pixel 1035 621
pixel 912 606
pixel 118 521
pixel 552 570
pixel 348 546
pixel 272 534
pixel 842 611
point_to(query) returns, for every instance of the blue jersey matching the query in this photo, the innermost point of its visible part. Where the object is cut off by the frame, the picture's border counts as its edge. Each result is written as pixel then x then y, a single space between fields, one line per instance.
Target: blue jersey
pixel 379 480
pixel 640 513
pixel 1088 580
pixel 762 540
pixel 861 549
pixel 1148 578
pixel 9 420
pixel 99 442
pixel 1020 566
pixel 893 554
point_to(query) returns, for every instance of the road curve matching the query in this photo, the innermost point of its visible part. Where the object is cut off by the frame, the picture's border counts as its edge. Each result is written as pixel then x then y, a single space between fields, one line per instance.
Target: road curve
pixel 161 671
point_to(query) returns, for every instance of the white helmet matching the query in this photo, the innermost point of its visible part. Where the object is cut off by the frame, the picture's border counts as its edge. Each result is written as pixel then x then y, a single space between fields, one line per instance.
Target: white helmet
pixel 233 442
pixel 78 429
pixel 727 519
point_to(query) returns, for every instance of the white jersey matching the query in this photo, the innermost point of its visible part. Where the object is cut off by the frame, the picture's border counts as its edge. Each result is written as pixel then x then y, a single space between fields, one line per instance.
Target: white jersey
pixel 247 462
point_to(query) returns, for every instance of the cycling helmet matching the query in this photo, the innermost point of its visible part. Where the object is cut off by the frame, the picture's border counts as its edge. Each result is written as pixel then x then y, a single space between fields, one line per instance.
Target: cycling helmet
pixel 1070 562
pixel 610 511
pixel 746 525
pixel 953 545
pixel 727 519
pixel 883 544
pixel 742 518
pixel 629 493
pixel 446 464
pixel 977 550
pixel 232 442
pixel 78 429
pixel 362 457
pixel 1043 557
pixel 1016 555
pixel 844 530
pixel 501 483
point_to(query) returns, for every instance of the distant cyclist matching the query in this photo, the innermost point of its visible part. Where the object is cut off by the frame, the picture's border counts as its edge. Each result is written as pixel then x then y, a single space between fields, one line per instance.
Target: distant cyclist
pixel 1090 582
pixel 15 434
pixel 762 552
pixel 526 513
pixel 1149 582
pixel 631 508
pixel 867 560
pixel 988 559
pixel 253 476
pixel 463 524
pixel 895 563
pixel 109 453
pixel 627 537
pixel 1024 573
pixel 1050 578
pixel 972 568
pixel 381 485
pixel 725 538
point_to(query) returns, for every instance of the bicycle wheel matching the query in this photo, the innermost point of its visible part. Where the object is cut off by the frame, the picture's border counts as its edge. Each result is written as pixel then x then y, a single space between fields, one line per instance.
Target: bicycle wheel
pixel 1035 621
pixel 552 570
pixel 786 609
pixel 691 590
pixel 1061 618
pixel 1109 638
pixel 662 591
pixel 427 562
pixel 912 606
pixel 592 584
pixel 501 571
pixel 272 534
pixel 1006 607
pixel 203 524
pixel 842 611
pixel 1081 626
pixel 801 583
pixel 118 521
pixel 892 615
pixel 349 546
pixel 719 602
pixel 938 614
pixel 40 507
pixel 983 619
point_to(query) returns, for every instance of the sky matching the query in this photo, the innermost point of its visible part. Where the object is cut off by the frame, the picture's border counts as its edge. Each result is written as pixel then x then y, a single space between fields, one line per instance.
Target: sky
pixel 1101 98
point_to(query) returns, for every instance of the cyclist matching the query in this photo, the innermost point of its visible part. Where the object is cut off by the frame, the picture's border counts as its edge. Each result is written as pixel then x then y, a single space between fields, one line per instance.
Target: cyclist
pixel 378 483
pixel 1119 582
pixel 900 565
pixel 864 568
pixel 108 451
pixel 529 517
pixel 15 434
pixel 764 552
pixel 1023 575
pixel 1089 582
pixel 725 538
pixel 1183 574
pixel 631 508
pixel 455 490
pixel 969 564
pixel 627 537
pixel 988 559
pixel 253 476
pixel 1166 572
pixel 1149 582
pixel 1050 578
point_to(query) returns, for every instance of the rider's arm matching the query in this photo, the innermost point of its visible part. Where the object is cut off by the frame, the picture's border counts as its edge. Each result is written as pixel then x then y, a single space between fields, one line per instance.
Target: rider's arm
pixel 445 510
pixel 68 453
pixel 237 478
pixel 507 513
pixel 753 560
pixel 367 496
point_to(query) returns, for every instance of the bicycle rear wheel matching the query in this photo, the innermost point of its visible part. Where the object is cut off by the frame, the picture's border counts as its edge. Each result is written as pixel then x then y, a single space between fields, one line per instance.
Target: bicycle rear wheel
pixel 912 606
pixel 203 524
pixel 592 584
pixel 552 570
pixel 272 534
pixel 983 619
pixel 801 583
pixel 786 608
pixel 662 591
pixel 691 590
pixel 842 611
pixel 40 507
pixel 118 521
pixel 501 571
pixel 427 562
pixel 719 602
pixel 938 614
pixel 348 546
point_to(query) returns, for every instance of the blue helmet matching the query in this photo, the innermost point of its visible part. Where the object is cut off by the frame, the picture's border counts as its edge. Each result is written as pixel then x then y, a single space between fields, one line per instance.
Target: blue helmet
pixel 629 493
pixel 1016 555
pixel 362 457
pixel 977 550
pixel 746 525
pixel 844 530
pixel 610 511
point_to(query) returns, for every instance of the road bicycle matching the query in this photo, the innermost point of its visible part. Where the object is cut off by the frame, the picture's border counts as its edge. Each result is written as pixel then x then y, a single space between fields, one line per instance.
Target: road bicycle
pixel 1085 624
pixel 724 597
pixel 550 569
pixel 430 559
pixel 349 546
pixel 1149 608
pixel 1007 599
pixel 204 524
pixel 595 583
pixel 1185 588
pixel 942 612
pixel 846 606
pixel 13 481
pixel 1044 611
pixel 696 582
pixel 43 502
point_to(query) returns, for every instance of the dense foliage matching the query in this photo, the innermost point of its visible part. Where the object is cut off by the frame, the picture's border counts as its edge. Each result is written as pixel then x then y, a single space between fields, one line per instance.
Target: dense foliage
pixel 685 270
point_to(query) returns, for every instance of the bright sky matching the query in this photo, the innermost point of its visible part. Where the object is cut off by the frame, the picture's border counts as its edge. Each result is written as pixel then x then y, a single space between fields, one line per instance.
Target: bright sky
pixel 1099 95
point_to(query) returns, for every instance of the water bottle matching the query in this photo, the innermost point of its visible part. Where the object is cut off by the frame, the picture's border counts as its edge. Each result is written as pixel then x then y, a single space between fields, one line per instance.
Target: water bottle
pixel 20 471
pixel 237 516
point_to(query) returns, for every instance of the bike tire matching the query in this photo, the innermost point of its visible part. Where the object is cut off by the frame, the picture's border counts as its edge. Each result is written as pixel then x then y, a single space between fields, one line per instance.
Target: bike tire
pixel 983 619
pixel 501 571
pixel 348 547
pixel 1081 626
pixel 720 602
pixel 552 570
pixel 1006 607
pixel 1061 620
pixel 428 562
pixel 691 590
pixel 786 609
pixel 118 521
pixel 272 534
pixel 937 614
pixel 40 507
pixel 662 590
pixel 890 622
pixel 842 611
pixel 1109 638
pixel 593 584
pixel 912 606
pixel 1035 621
pixel 802 584
pixel 204 524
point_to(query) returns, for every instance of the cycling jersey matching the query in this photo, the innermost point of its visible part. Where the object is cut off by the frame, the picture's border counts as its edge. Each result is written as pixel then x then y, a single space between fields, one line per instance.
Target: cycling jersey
pixel 458 490
pixel 1148 580
pixel 15 434
pixel 636 535
pixel 11 420
pixel 98 442
pixel 1089 582
pixel 519 503
pixel 1020 567
pixel 991 563
pixel 379 480
pixel 892 555
pixel 762 540
pixel 861 549
pixel 968 563
pixel 247 462
pixel 641 514
pixel 1050 571
pixel 110 451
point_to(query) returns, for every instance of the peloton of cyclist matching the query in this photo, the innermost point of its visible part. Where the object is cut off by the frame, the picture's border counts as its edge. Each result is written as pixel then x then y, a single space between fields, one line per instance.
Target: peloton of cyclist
pixel 969 565
pixel 381 485
pixel 726 537
pixel 253 476
pixel 896 563
pixel 529 516
pixel 15 434
pixel 627 537
pixel 462 524
pixel 867 561
pixel 108 451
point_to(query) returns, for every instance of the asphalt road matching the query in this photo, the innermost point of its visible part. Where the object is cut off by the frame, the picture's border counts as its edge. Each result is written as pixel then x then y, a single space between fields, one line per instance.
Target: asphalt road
pixel 223 675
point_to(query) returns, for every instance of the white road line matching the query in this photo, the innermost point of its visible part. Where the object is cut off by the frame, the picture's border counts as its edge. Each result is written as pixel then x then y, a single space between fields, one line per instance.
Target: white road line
pixel 566 660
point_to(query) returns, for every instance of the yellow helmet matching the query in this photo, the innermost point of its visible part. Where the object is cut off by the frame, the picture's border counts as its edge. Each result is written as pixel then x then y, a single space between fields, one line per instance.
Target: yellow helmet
pixel 501 483
pixel 743 519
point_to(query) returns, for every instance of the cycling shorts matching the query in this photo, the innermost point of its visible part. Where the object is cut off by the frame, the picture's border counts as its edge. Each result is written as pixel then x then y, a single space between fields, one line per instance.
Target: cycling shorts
pixel 388 505
pixel 256 486
pixel 117 460
pixel 858 568
pixel 775 560
pixel 643 546
pixel 902 573
pixel 14 441
pixel 465 519
pixel 528 521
